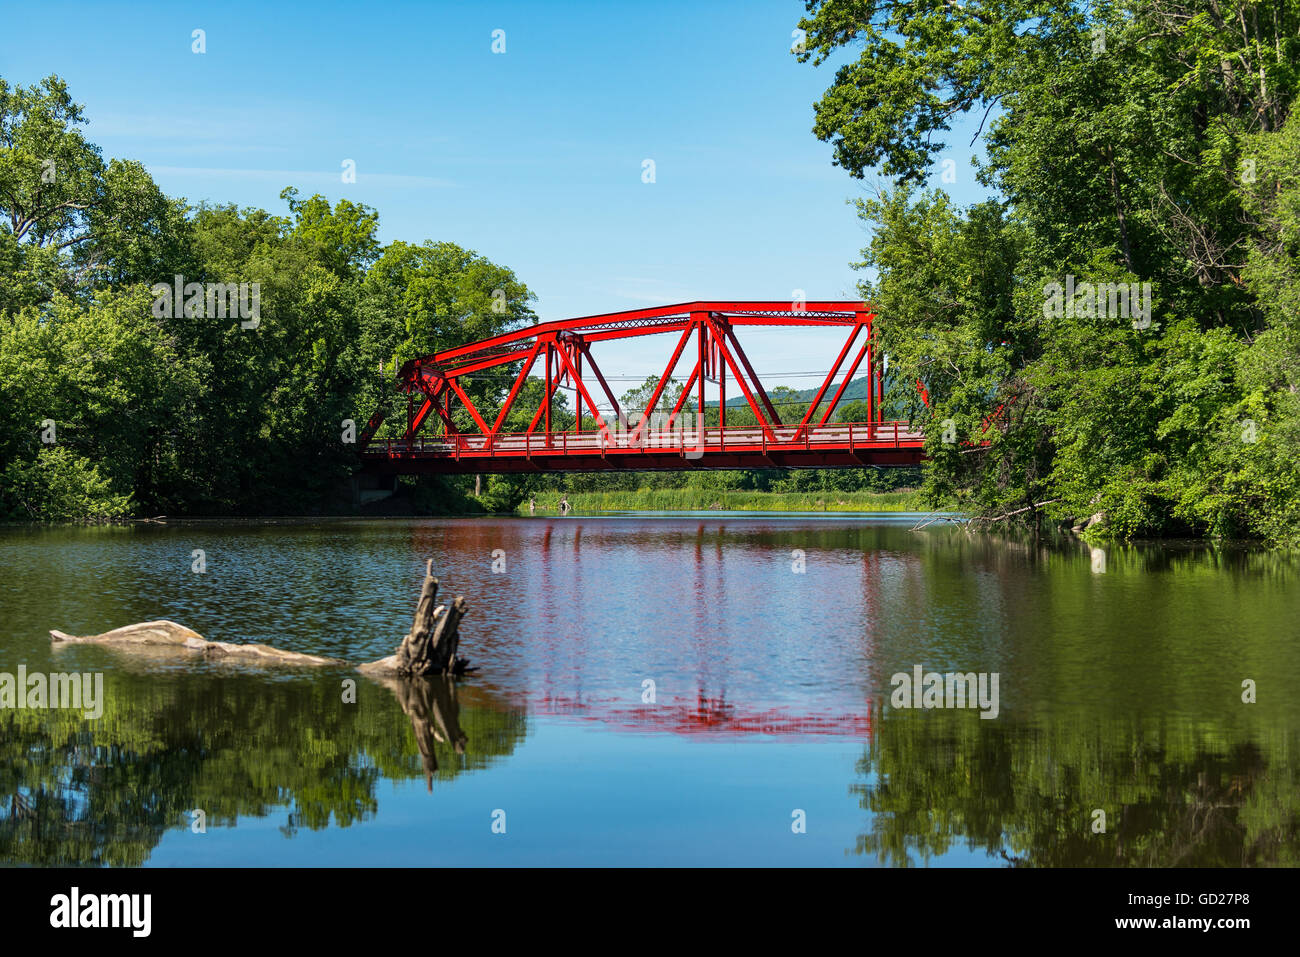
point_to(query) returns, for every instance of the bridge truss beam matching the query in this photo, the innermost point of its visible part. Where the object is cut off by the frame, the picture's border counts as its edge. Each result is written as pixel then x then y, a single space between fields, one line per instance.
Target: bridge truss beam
pixel 437 386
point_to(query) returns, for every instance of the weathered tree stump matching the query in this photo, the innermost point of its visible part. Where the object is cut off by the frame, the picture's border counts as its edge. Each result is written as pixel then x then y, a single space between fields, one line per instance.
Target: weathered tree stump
pixel 430 648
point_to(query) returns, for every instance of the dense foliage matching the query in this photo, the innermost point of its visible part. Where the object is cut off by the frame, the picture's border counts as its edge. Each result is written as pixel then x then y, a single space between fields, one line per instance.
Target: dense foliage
pixel 114 403
pixel 1139 142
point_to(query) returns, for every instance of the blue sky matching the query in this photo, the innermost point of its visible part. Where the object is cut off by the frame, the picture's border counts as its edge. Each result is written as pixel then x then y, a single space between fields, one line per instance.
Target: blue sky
pixel 532 157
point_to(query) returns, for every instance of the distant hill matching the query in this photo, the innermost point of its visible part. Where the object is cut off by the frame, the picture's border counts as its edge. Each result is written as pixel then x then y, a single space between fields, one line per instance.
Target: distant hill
pixel 857 389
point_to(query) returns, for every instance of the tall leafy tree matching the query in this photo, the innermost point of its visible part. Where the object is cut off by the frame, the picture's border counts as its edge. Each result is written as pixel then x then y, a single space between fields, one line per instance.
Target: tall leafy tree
pixel 163 406
pixel 1128 144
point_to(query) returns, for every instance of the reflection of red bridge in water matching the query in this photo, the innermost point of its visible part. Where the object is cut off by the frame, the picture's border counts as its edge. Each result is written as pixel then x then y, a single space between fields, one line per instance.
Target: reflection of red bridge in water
pixel 436 387
pixel 708 717
pixel 571 631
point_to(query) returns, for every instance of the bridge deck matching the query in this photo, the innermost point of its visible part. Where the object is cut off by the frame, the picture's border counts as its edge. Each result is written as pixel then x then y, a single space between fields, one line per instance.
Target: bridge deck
pixel 838 445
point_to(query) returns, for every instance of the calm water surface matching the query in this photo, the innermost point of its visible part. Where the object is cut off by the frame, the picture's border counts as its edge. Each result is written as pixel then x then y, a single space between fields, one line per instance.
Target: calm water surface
pixel 1120 687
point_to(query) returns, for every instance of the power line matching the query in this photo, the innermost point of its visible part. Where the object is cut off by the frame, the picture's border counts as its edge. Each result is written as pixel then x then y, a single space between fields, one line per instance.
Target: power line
pixel 480 377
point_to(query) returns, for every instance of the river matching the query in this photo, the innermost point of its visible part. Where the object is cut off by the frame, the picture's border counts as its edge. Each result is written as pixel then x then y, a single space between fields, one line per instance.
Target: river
pixel 657 689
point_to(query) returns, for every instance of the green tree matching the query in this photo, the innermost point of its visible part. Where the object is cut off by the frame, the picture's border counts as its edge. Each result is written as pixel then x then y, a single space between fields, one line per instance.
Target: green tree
pixel 181 408
pixel 1125 148
pixel 63 206
pixel 635 402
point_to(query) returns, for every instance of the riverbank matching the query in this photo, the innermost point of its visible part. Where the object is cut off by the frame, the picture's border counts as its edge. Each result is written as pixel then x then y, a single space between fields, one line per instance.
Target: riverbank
pixel 693 500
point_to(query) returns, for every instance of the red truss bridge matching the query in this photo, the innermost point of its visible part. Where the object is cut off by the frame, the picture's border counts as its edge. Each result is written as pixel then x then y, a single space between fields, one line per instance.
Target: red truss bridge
pixel 563 353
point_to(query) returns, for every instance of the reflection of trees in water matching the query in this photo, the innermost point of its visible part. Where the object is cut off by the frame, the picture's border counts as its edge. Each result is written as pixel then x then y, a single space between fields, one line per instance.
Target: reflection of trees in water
pixel 434 710
pixel 1173 795
pixel 105 791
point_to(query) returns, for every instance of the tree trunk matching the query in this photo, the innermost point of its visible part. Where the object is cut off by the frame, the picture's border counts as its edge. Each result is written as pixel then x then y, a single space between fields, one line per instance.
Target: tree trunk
pixel 430 648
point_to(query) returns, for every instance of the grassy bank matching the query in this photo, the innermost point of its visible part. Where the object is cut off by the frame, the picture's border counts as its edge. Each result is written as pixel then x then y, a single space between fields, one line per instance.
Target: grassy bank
pixel 685 499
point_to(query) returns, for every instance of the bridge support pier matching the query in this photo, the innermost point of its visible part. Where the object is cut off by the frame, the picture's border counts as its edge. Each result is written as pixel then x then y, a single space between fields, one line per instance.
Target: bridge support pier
pixel 367 487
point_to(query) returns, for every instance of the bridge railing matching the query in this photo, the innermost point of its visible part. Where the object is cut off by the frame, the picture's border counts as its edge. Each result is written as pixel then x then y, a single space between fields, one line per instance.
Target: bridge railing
pixel 733 438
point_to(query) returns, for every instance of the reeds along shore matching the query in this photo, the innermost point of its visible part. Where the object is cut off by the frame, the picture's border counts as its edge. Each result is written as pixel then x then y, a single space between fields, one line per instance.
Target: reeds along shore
pixel 704 499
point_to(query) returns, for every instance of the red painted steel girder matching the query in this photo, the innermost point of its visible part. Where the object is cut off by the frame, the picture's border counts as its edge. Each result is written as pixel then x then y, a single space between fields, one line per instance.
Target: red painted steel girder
pixel 624 325
pixel 563 345
pixel 748 446
pixel 558 461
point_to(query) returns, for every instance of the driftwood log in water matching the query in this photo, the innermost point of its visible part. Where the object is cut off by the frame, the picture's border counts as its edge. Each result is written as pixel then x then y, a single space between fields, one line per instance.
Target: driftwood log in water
pixel 163 634
pixel 429 649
